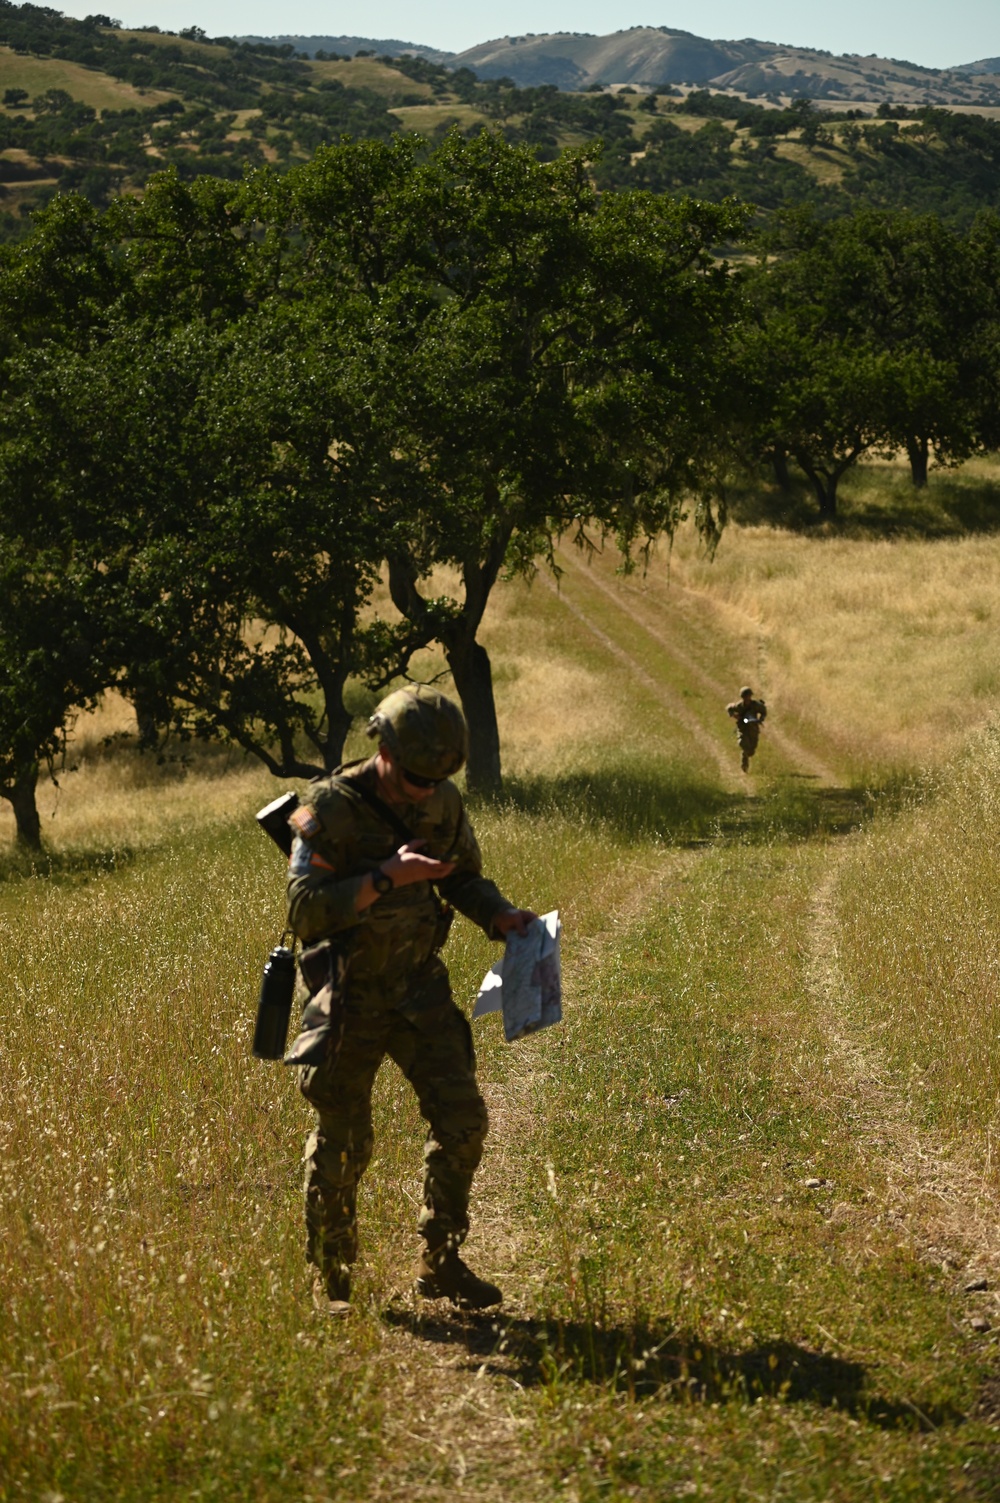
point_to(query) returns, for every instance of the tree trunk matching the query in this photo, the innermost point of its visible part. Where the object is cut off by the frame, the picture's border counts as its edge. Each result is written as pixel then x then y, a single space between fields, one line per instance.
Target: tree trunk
pixel 468 659
pixel 333 751
pixel 825 486
pixel 21 794
pixel 152 715
pixel 779 459
pixel 827 497
pixel 917 449
pixel 470 666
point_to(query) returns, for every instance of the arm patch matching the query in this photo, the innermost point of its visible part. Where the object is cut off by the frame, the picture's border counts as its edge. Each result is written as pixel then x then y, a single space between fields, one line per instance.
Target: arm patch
pixel 305 822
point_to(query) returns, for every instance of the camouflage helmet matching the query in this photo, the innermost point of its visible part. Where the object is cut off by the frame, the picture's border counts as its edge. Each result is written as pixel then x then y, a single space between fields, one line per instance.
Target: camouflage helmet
pixel 425 731
pixel 746 690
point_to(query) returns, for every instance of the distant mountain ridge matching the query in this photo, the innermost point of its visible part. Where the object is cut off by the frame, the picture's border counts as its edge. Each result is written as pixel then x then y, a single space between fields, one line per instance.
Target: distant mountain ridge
pixel 653 57
pixel 642 55
pixel 984 65
pixel 350 46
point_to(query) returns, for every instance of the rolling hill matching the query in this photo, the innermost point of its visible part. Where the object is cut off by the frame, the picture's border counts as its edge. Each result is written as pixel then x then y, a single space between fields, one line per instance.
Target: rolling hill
pixel 985 65
pixel 654 56
pixel 98 109
pixel 342 46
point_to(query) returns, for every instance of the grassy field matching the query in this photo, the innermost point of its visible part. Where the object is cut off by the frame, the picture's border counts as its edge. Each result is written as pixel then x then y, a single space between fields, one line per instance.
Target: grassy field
pixel 433 117
pixel 88 85
pixel 367 73
pixel 735 1200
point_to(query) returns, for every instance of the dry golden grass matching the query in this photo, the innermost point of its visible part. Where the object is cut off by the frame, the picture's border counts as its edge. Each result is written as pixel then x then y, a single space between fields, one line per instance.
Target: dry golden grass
pixel 921 947
pixel 366 73
pixel 887 648
pixel 112 798
pixel 194 51
pixel 824 167
pixel 99 90
pixel 425 118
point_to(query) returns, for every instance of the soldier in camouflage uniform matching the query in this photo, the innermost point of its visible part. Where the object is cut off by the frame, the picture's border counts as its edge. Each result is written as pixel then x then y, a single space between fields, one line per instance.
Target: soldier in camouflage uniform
pixel 749 714
pixel 353 883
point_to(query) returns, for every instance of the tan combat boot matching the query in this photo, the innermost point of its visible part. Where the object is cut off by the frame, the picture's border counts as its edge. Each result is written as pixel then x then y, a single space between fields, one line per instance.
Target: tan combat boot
pixel 441 1274
pixel 331 1295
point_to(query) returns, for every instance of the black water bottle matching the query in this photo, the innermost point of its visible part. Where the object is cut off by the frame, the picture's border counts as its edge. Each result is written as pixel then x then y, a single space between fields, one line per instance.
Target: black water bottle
pixel 275 1006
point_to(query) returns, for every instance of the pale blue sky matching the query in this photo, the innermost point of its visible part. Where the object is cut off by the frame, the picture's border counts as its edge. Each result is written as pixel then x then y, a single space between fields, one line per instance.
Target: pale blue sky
pixel 921 31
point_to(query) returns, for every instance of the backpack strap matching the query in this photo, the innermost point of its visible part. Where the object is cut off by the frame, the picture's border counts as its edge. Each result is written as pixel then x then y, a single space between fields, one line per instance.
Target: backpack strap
pixel 401 830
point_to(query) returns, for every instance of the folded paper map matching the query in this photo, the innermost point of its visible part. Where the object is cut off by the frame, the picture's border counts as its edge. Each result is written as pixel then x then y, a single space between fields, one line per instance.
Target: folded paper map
pixel 526 983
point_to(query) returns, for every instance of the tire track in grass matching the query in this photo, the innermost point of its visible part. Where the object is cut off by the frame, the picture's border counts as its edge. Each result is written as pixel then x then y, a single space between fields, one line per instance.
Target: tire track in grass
pixel 792 749
pixel 937 1198
pixel 669 700
pixel 461 1379
pixel 959 1215
pixel 459 1372
pixel 932 1194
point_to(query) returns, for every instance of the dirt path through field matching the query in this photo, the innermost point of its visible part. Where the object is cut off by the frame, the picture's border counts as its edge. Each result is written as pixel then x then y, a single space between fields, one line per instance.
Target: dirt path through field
pixel 462 1380
pixel 465 1373
pixel 939 1200
pixel 619 593
pixel 676 707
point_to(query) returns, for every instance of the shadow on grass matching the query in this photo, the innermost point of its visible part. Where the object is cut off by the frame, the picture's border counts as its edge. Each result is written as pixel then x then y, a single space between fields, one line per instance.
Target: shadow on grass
pixel 877 503
pixel 660 803
pixel 18 865
pixel 672 807
pixel 795 807
pixel 644 1360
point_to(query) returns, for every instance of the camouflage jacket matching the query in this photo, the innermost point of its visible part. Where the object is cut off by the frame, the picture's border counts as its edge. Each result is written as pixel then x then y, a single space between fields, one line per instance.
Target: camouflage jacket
pixel 339 838
pixel 738 710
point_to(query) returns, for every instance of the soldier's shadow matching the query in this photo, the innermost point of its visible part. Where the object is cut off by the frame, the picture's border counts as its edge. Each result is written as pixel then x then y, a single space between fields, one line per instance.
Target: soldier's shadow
pixel 642 1360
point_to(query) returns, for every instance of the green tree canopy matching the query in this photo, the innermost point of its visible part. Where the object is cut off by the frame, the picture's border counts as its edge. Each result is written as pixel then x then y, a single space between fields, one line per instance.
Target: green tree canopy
pixel 382 356
pixel 874 332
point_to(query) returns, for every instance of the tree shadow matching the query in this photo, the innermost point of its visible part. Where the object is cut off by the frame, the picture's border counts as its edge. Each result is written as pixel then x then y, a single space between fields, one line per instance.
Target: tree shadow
pixel 794 807
pixel 665 803
pixel 876 504
pixel 682 810
pixel 646 1360
pixel 18 865
pixel 951 509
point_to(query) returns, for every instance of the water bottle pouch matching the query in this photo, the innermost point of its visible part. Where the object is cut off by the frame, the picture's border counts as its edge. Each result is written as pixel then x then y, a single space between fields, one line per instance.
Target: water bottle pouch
pixel 324 971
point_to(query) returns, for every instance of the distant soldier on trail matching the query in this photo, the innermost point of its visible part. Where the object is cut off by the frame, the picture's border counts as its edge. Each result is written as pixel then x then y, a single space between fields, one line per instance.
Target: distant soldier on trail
pixel 382 848
pixel 749 714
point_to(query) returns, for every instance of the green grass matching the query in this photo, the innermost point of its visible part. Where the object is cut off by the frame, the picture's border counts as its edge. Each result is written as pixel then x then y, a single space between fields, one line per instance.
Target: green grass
pixel 680 1307
pixel 919 902
pixel 726 1270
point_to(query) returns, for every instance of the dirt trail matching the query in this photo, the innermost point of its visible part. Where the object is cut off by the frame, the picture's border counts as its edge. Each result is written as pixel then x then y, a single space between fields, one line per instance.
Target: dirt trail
pixel 939 1200
pixel 678 710
pixel 792 749
pixel 461 1387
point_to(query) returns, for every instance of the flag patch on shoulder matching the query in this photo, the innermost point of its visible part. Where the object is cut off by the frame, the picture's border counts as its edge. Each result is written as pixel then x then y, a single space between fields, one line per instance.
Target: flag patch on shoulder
pixel 305 821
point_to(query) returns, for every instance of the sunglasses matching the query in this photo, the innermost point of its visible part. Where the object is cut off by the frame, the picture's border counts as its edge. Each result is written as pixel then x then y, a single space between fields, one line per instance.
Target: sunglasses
pixel 416 781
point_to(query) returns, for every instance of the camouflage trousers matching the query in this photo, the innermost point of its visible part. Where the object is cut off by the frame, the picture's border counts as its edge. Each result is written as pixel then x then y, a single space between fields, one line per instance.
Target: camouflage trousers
pixel 748 736
pixel 431 1042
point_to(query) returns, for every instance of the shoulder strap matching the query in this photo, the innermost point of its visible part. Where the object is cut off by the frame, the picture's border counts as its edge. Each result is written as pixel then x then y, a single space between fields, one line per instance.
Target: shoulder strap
pixel 403 831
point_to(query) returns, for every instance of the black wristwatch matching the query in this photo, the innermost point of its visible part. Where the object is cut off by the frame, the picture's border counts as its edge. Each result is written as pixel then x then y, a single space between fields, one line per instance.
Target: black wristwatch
pixel 382 882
